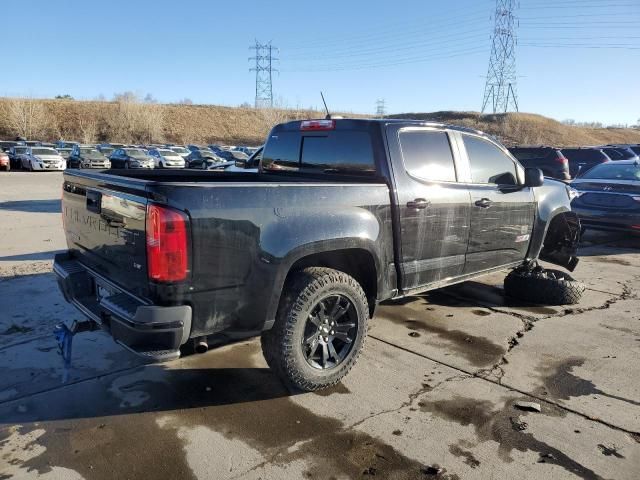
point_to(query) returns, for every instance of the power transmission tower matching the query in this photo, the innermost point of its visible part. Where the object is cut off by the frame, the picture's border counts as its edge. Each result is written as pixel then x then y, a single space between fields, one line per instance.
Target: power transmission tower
pixel 263 67
pixel 381 109
pixel 500 90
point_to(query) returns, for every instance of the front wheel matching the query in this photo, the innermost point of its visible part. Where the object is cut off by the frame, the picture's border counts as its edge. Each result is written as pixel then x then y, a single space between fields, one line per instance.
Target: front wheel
pixel 320 328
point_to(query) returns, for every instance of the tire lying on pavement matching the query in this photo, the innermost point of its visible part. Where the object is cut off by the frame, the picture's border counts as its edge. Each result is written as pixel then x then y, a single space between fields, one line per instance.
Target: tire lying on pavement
pixel 548 287
pixel 320 329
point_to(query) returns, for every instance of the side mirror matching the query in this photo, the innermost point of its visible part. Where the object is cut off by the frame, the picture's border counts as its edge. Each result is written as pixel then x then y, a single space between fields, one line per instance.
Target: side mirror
pixel 533 177
pixel 241 163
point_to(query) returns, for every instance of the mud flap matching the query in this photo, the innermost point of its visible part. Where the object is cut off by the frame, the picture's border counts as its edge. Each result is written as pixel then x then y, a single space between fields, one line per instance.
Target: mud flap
pixel 561 241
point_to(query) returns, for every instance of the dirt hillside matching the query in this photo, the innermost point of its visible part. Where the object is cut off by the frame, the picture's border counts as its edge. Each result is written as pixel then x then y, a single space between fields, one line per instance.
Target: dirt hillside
pixel 131 121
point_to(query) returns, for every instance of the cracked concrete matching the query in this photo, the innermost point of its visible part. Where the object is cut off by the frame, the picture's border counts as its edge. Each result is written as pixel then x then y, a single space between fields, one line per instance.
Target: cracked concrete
pixel 433 391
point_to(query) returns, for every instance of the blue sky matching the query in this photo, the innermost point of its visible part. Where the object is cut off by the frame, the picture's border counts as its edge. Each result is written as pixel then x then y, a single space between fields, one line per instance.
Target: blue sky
pixel 419 55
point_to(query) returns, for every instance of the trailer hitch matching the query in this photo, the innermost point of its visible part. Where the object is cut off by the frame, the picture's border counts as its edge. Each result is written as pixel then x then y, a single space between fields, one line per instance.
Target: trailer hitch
pixel 64 337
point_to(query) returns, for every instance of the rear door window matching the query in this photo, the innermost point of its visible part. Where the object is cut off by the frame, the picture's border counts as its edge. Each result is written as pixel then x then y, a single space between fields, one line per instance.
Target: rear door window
pixel 427 155
pixel 488 163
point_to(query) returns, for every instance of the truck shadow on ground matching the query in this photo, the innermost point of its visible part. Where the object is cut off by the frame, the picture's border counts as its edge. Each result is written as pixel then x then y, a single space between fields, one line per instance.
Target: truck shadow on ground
pixel 149 389
pixel 33 206
pixel 31 256
pixel 473 294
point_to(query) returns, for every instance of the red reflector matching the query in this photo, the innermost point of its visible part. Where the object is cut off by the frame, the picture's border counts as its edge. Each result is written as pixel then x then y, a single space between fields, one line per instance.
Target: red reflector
pixel 562 159
pixel 167 259
pixel 637 227
pixel 317 125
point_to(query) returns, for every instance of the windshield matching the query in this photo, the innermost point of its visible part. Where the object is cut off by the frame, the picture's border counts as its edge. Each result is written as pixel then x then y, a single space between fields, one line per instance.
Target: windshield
pixel 179 150
pixel 613 171
pixel 107 151
pixel 90 151
pixel 135 153
pixel 167 153
pixel 44 151
pixel 20 149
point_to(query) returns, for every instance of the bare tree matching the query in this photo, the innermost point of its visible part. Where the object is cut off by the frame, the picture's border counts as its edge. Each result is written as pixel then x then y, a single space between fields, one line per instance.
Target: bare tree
pixel 151 119
pixel 88 125
pixel 185 101
pixel 26 117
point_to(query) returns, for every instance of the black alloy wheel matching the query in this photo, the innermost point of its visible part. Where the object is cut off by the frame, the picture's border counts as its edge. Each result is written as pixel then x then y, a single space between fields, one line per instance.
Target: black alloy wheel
pixel 329 332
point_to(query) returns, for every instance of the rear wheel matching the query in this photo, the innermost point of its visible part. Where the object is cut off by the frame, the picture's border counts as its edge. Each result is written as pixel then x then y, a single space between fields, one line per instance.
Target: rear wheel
pixel 548 287
pixel 319 330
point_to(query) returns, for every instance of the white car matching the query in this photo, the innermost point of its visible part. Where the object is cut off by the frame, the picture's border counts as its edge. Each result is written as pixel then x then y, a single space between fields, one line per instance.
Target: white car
pixel 183 152
pixel 42 158
pixel 165 158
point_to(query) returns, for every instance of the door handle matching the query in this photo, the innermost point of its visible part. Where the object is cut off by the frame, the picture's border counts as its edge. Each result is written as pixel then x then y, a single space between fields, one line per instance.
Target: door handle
pixel 483 203
pixel 419 204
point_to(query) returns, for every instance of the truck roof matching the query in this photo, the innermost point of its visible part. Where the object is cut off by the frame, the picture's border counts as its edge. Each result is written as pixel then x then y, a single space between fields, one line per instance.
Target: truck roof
pixel 369 121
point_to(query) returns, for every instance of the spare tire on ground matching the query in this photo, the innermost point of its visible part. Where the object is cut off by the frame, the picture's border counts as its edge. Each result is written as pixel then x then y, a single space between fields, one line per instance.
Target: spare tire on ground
pixel 547 287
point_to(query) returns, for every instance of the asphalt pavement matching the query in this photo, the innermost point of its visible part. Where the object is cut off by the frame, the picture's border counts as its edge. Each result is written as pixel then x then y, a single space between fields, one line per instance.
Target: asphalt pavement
pixel 443 389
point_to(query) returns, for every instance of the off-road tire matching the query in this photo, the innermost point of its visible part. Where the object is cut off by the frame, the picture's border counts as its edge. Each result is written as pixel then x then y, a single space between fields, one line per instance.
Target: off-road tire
pixel 282 345
pixel 547 287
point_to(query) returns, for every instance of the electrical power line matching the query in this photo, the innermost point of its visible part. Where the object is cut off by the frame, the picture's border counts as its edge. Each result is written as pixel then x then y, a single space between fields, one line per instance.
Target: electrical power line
pixel 264 73
pixel 381 109
pixel 500 89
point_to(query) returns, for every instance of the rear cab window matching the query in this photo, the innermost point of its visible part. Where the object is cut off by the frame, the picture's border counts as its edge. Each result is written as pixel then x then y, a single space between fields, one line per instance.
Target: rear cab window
pixel 347 148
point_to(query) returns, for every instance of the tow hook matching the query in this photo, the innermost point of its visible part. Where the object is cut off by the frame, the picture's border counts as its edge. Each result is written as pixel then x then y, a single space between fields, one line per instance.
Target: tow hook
pixel 64 338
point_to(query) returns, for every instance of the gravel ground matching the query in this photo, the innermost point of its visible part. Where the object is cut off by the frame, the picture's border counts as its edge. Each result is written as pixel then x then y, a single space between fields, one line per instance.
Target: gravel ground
pixel 434 395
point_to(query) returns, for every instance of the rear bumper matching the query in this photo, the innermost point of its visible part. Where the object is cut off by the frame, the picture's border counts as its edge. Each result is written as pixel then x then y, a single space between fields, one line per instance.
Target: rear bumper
pixel 152 331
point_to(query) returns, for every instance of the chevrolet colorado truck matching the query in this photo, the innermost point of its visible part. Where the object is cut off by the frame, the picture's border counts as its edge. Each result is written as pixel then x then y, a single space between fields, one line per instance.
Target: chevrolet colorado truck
pixel 341 215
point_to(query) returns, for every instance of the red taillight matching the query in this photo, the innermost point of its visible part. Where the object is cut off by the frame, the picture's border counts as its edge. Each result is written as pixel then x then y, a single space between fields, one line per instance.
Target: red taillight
pixel 562 159
pixel 167 256
pixel 317 125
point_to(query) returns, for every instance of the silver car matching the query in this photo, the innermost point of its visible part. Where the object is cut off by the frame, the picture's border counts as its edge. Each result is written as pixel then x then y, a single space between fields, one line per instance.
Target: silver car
pixel 42 158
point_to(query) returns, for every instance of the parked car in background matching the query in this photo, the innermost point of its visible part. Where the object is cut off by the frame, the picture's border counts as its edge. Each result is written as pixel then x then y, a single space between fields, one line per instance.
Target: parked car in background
pixel 609 197
pixel 246 166
pixel 232 155
pixel 131 158
pixel 87 156
pixel 5 145
pixel 15 155
pixel 64 152
pixel 32 143
pixel 620 153
pixel 182 151
pixel 42 158
pixel 548 159
pixel 203 158
pixel 582 159
pixel 65 144
pixel 5 163
pixel 166 158
pixel 106 151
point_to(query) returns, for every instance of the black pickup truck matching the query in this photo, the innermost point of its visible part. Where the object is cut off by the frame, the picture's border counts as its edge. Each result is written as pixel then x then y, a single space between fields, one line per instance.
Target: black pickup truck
pixel 342 214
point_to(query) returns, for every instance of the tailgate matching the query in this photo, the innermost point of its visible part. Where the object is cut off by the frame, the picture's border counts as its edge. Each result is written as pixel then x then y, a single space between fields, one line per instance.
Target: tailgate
pixel 104 223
